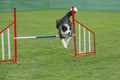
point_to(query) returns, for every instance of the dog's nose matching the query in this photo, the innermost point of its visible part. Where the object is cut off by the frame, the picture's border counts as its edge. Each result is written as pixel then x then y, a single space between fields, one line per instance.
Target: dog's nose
pixel 68 33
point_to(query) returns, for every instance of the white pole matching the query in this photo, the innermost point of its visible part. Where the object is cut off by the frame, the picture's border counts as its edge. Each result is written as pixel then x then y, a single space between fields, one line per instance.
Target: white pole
pixel 79 37
pixel 84 40
pixel 28 37
pixel 9 54
pixel 89 42
pixel 2 37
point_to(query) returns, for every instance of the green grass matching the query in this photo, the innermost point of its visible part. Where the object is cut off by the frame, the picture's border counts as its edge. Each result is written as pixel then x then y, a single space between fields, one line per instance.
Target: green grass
pixel 46 59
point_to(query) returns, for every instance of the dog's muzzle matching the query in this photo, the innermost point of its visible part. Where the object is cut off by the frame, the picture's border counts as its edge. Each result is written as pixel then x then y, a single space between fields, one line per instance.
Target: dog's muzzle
pixel 69 34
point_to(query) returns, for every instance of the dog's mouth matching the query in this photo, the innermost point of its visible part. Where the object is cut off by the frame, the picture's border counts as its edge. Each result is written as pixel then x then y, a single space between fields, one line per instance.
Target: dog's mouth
pixel 69 34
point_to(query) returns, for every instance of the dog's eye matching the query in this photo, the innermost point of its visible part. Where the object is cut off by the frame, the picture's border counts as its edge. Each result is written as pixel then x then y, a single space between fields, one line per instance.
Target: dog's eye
pixel 64 28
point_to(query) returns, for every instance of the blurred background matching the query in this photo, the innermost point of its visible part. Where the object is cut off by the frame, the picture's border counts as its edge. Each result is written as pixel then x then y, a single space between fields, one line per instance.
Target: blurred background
pixel 8 5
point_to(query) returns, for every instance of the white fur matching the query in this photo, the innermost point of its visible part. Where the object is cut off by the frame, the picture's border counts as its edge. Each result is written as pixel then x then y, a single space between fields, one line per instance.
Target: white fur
pixel 75 9
pixel 65 43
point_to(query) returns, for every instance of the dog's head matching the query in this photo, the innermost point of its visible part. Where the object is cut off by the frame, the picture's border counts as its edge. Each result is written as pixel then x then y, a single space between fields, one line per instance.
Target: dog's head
pixel 66 30
pixel 64 24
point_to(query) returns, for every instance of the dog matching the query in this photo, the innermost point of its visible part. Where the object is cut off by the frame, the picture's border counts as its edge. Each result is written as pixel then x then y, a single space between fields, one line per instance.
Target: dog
pixel 65 29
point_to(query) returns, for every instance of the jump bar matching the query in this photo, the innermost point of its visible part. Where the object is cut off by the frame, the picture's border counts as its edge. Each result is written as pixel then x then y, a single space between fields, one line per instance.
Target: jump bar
pixel 36 37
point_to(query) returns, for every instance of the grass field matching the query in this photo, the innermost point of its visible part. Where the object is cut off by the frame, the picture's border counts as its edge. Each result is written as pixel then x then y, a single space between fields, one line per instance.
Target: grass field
pixel 46 59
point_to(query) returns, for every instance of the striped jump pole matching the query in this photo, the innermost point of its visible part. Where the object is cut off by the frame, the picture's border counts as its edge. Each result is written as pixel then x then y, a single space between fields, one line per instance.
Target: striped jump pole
pixel 37 37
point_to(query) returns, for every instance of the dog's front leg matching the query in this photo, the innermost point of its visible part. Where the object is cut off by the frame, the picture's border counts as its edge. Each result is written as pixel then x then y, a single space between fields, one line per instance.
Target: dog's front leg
pixel 68 41
pixel 64 43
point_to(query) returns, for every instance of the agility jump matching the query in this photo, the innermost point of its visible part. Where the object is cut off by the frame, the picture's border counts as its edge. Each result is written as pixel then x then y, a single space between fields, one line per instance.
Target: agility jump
pixel 9 55
pixel 83 37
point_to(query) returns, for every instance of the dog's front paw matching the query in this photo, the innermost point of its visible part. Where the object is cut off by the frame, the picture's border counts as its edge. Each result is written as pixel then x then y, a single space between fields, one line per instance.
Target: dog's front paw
pixel 64 43
pixel 65 46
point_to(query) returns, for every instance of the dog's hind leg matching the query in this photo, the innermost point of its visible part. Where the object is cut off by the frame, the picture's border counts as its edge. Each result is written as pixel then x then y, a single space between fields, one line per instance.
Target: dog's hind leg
pixel 64 43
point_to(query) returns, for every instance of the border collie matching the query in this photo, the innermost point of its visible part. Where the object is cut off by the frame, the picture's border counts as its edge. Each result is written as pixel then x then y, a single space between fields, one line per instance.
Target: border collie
pixel 64 27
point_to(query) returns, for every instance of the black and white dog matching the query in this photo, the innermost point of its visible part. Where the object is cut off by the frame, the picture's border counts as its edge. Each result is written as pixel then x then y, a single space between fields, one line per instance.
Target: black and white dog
pixel 64 27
